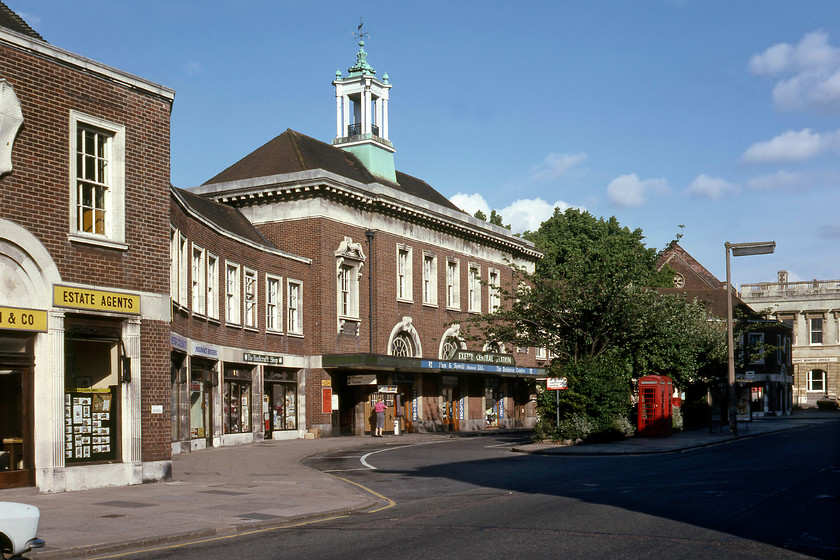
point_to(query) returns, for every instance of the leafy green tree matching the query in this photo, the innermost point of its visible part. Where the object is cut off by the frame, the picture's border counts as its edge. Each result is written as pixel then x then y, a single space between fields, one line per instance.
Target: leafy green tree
pixel 480 215
pixel 496 219
pixel 591 301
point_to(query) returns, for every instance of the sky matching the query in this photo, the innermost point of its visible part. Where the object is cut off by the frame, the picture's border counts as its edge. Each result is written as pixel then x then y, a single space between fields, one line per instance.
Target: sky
pixel 715 120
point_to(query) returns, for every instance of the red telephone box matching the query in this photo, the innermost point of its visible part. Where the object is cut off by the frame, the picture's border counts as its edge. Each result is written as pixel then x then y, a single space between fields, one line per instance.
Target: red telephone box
pixel 655 405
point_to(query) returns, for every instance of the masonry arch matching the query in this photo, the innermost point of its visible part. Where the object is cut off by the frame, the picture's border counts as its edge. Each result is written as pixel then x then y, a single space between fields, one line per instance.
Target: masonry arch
pixel 404 340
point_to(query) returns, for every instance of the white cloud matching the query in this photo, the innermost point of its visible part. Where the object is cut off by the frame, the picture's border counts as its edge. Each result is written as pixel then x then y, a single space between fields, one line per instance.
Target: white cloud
pixel 795 181
pixel 711 187
pixel 555 165
pixel 522 214
pixel 528 214
pixel 792 146
pixel 809 73
pixel 628 191
pixel 470 203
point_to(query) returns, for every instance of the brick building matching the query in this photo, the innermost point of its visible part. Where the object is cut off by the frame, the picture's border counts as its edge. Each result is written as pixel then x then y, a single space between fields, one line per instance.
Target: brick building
pixel 763 376
pixel 812 310
pixel 84 304
pixel 237 342
pixel 395 267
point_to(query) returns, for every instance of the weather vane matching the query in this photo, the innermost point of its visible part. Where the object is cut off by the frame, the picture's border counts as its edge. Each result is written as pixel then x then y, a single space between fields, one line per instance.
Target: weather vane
pixel 359 34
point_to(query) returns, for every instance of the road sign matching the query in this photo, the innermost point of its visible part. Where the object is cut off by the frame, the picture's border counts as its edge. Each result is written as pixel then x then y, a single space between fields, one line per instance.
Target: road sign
pixel 556 383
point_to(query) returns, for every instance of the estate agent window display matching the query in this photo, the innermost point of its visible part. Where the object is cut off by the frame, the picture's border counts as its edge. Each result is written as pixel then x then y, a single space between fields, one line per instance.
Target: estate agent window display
pixel 91 397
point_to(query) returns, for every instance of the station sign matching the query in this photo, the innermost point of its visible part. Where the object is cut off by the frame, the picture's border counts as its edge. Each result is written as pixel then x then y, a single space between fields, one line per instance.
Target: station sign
pixel 367 379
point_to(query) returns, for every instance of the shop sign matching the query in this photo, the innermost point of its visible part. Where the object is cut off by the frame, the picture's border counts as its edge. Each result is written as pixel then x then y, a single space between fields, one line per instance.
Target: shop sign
pixel 556 383
pixel 18 319
pixel 326 383
pixel 208 351
pixel 326 400
pixel 814 360
pixel 96 300
pixel 368 379
pixel 178 342
pixel 262 359
pixel 483 357
pixel 392 389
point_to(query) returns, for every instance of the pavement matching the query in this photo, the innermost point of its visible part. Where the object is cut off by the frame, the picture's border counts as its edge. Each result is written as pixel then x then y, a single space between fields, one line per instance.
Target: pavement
pixel 227 491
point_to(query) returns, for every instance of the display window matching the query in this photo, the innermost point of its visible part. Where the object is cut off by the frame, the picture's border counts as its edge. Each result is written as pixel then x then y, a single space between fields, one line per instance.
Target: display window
pixel 178 375
pixel 236 401
pixel 91 396
pixel 201 402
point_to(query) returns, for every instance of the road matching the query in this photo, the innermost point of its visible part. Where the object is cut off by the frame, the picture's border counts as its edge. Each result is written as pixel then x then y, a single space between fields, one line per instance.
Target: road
pixel 773 496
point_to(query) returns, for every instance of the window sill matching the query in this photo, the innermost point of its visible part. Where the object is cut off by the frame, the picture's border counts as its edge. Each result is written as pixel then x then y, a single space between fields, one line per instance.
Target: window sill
pixel 274 332
pixel 252 329
pixel 234 325
pixel 430 304
pixel 97 241
pixel 295 334
pixel 404 300
pixel 214 320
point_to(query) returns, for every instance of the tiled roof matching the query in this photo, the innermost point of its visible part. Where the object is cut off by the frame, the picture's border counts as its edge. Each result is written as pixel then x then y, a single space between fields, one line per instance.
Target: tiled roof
pixel 10 20
pixel 292 152
pixel 695 274
pixel 225 217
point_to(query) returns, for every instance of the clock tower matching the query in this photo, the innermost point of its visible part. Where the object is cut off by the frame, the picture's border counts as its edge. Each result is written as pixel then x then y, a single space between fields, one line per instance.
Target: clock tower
pixel 361 109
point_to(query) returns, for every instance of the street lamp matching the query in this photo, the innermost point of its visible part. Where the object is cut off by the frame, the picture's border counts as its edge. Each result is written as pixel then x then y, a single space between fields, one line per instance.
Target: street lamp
pixel 737 250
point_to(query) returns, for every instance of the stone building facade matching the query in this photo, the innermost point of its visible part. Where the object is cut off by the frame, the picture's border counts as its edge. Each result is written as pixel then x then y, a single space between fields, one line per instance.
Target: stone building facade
pixel 812 310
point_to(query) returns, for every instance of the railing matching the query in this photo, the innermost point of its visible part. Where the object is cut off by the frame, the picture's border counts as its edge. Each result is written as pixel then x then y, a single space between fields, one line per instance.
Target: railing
pixel 355 129
pixel 776 289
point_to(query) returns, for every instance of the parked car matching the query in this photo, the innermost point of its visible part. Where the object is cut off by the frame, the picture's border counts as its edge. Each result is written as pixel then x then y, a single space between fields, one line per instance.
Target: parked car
pixel 18 528
pixel 828 402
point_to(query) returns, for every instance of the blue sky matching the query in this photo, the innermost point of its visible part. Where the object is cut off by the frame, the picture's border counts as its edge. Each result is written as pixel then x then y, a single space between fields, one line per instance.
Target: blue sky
pixel 722 116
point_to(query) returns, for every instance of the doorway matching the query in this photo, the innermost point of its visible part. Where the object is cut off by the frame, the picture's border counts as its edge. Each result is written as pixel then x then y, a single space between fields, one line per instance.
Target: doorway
pixel 451 412
pixel 16 457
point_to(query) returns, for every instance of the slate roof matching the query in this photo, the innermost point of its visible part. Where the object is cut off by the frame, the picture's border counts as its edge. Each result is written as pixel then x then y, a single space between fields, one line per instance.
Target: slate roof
pixel 226 217
pixel 695 274
pixel 10 20
pixel 292 152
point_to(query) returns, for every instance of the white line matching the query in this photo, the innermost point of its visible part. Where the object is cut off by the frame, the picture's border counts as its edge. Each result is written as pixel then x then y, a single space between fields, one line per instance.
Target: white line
pixel 363 458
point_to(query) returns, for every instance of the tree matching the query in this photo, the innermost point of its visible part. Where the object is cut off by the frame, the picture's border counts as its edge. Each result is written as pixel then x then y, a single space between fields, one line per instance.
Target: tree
pixel 480 215
pixel 591 301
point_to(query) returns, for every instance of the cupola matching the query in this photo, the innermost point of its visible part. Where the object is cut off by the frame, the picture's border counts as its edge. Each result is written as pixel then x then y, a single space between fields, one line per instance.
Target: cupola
pixel 361 109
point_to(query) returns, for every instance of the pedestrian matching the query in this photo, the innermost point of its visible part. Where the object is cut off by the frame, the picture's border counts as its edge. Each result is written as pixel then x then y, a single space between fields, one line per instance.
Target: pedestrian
pixel 379 408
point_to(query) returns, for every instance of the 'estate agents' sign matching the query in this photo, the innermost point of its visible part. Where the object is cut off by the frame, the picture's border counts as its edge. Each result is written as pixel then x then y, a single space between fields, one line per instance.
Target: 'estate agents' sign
pixel 96 300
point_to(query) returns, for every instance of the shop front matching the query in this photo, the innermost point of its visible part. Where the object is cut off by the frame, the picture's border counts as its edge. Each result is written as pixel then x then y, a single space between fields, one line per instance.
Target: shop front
pixel 17 360
pixel 430 395
pixel 280 402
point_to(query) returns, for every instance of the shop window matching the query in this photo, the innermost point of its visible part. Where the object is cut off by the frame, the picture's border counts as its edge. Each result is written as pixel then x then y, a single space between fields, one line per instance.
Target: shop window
pixel 201 387
pixel 199 291
pixel 173 264
pixel 212 286
pixel 404 282
pixel 273 307
pixel 233 289
pixel 294 301
pixel 494 290
pixel 816 381
pixel 177 377
pixel 280 400
pixel 97 196
pixel 250 298
pixel 453 284
pixel 91 392
pixel 236 401
pixel 474 289
pixel 183 266
pixel 816 330
pixel 429 279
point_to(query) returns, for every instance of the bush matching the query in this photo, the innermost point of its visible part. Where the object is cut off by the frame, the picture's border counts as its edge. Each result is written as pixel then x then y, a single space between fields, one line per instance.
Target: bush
pixel 676 419
pixel 575 427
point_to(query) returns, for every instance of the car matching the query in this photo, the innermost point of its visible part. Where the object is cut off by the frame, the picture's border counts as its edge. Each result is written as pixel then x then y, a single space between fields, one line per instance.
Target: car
pixel 828 402
pixel 18 529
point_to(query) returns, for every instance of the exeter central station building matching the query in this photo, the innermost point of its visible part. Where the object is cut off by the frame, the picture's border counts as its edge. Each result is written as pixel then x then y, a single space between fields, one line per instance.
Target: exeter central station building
pixel 393 269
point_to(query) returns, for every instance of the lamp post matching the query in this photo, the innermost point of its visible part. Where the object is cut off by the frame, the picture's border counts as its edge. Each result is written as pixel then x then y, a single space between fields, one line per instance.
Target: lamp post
pixel 737 250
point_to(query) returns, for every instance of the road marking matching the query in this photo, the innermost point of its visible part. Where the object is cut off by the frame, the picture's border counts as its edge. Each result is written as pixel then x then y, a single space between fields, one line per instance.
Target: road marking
pixel 390 502
pixel 364 457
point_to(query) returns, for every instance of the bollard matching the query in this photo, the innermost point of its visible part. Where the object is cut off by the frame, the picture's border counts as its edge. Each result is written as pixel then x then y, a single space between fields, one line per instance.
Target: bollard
pixel 396 426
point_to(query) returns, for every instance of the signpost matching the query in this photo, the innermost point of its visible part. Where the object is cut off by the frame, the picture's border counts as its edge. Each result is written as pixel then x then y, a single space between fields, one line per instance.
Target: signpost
pixel 557 384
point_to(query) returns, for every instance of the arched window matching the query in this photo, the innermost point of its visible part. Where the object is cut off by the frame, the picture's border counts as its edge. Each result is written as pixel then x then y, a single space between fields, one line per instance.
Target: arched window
pixel 404 340
pixel 450 348
pixel 816 380
pixel 402 345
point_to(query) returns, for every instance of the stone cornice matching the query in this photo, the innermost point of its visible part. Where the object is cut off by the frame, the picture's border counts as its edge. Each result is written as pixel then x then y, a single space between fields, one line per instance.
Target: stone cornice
pixel 375 197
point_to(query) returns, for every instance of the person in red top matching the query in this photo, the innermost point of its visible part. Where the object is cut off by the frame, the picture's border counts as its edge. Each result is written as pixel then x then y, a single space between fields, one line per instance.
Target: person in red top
pixel 379 408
